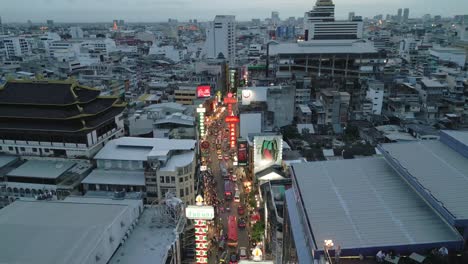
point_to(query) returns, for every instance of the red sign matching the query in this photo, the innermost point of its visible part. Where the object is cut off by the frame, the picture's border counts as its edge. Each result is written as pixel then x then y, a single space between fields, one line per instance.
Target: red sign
pixel 230 100
pixel 203 91
pixel 231 119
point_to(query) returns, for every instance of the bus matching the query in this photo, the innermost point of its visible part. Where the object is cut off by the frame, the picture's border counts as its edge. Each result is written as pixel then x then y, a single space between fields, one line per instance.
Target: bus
pixel 228 190
pixel 232 231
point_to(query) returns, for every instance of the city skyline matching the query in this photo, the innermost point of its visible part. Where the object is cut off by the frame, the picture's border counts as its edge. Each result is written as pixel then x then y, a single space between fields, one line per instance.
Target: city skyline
pixel 204 10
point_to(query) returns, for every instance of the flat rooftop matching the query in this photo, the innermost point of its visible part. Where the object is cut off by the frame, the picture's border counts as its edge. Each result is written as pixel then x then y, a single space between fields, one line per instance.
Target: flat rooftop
pixel 364 203
pixel 45 169
pixel 53 232
pixel 324 47
pixel 147 243
pixel 5 160
pixel 138 149
pixel 440 171
pixel 116 177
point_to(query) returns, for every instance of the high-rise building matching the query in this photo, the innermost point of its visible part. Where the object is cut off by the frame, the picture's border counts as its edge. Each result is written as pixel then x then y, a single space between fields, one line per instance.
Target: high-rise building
pixel 405 15
pixel 50 23
pixel 351 16
pixel 1 26
pixel 399 14
pixel 275 19
pixel 15 47
pixel 221 38
pixel 320 24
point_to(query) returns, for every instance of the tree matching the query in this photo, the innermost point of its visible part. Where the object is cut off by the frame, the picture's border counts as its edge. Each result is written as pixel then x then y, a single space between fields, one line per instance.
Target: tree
pixel 290 132
pixel 258 230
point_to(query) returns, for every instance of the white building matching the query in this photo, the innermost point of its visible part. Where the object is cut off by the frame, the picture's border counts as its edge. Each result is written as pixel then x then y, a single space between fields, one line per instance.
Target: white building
pixel 221 38
pixel 375 93
pixel 169 52
pixel 166 165
pixel 320 24
pixel 76 32
pixel 15 47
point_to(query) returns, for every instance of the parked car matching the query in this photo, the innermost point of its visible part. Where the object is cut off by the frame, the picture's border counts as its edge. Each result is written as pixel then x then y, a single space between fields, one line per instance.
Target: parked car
pixel 220 157
pixel 243 253
pixel 233 259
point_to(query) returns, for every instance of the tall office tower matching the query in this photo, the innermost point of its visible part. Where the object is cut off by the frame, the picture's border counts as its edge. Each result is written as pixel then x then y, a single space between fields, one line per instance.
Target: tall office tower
pixel 400 11
pixel 221 38
pixel 320 24
pixel 50 23
pixel 324 11
pixel 405 15
pixel 351 16
pixel 275 19
pixel 121 23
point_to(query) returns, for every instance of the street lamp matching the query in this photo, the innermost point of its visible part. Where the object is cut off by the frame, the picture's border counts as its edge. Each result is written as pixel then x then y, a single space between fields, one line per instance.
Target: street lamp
pixel 268 56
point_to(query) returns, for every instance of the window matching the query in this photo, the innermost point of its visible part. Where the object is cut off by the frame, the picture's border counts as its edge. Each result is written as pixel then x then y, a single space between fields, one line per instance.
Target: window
pixel 46 150
pixel 186 178
pixel 22 149
pixel 172 179
pixel 181 179
pixel 34 149
pixel 181 192
pixel 168 180
pixel 186 191
pixel 10 148
pixel 161 179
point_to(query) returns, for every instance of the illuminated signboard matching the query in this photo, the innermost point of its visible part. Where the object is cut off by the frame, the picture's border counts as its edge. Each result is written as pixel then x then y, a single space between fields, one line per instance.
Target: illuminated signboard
pixel 203 91
pixel 268 151
pixel 242 152
pixel 199 212
pixel 201 120
pixel 232 132
pixel 231 119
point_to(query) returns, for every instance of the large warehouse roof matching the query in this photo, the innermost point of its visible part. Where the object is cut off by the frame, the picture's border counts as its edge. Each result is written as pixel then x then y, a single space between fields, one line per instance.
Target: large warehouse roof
pixel 437 171
pixel 363 203
pixel 53 232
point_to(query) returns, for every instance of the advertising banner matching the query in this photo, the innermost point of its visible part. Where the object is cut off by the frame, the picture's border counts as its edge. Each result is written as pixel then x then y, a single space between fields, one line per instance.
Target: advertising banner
pixel 242 152
pixel 203 91
pixel 268 151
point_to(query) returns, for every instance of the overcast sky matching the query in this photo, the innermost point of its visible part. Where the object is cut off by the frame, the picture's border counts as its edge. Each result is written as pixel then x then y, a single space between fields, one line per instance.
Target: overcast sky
pixel 161 10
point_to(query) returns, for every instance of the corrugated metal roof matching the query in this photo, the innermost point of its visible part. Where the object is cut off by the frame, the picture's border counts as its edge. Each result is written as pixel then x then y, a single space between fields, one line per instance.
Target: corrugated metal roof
pixel 439 169
pixel 116 177
pixel 461 136
pixel 363 203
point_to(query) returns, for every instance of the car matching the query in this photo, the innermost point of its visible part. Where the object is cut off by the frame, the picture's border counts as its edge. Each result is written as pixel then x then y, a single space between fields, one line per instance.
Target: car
pixel 231 170
pixel 243 253
pixel 240 210
pixel 226 157
pixel 220 157
pixel 241 223
pixel 218 146
pixel 233 259
pixel 227 177
pixel 218 152
pixel 223 257
pixel 233 177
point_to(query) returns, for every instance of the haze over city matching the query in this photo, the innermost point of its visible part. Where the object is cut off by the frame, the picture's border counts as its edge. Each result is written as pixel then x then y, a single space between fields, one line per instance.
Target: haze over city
pixel 161 10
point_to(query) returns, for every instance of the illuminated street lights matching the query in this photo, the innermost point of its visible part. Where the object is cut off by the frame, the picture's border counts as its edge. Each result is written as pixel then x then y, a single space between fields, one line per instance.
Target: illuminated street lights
pixel 328 244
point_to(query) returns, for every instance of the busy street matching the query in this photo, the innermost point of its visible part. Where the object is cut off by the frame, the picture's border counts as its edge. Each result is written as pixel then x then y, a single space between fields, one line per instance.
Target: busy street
pixel 224 189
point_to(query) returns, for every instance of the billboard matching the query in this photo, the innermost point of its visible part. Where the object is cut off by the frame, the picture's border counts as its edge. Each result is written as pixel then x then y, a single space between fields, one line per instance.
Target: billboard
pixel 203 91
pixel 242 152
pixel 268 151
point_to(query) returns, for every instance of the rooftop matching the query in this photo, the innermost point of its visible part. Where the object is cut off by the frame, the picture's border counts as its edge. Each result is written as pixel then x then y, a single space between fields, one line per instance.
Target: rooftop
pixel 138 149
pixel 440 172
pixel 5 160
pixel 45 169
pixel 48 232
pixel 177 161
pixel 116 177
pixel 368 206
pixel 148 243
pixel 323 46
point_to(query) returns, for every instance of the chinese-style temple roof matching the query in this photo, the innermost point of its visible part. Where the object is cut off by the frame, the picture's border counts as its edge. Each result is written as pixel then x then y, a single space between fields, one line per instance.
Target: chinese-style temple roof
pixel 54 106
